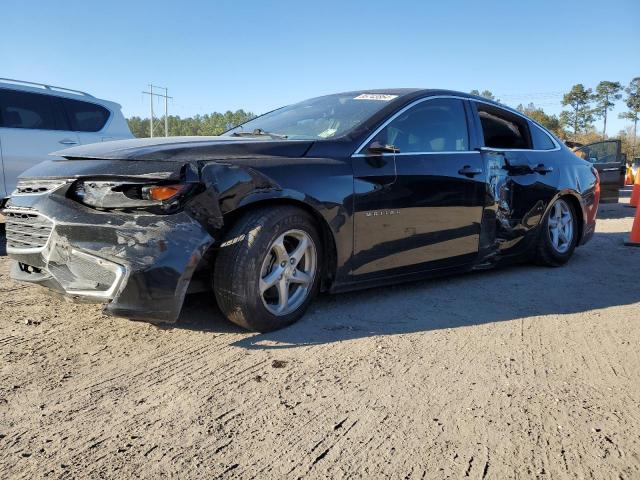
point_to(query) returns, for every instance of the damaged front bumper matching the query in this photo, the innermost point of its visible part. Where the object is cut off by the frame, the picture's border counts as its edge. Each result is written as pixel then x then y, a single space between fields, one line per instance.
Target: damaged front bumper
pixel 138 264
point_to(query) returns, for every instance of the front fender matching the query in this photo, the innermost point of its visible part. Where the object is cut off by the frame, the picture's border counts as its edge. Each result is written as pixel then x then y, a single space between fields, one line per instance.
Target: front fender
pixel 322 186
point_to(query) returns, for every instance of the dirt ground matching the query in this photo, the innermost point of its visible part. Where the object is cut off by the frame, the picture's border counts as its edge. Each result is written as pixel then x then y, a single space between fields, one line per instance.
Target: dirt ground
pixel 526 372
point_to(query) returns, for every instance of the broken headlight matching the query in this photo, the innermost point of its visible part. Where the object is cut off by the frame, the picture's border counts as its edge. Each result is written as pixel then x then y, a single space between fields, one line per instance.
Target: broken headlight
pixel 109 194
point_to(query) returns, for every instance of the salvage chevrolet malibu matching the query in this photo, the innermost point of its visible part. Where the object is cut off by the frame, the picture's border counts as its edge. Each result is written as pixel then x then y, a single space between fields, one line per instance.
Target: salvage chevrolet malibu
pixel 334 193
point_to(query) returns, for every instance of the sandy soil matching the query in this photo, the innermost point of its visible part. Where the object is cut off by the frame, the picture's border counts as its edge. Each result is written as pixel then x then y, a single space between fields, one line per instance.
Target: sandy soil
pixel 525 372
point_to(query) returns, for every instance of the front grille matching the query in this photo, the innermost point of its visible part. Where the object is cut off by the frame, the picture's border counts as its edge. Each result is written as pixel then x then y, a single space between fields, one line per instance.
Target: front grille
pixel 26 229
pixel 37 187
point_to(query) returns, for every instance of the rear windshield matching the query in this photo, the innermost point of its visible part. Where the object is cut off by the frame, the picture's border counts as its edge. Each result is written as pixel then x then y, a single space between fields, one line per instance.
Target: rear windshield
pixel 318 118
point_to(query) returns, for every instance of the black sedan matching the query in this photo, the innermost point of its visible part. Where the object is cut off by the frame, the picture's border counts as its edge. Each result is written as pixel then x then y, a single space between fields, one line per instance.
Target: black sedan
pixel 335 193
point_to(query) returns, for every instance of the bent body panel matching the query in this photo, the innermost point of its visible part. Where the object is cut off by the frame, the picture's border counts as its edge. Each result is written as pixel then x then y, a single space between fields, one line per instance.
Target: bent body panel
pixel 158 255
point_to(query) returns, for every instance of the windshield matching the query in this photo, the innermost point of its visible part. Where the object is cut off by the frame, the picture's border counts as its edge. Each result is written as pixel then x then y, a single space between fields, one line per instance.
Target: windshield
pixel 317 118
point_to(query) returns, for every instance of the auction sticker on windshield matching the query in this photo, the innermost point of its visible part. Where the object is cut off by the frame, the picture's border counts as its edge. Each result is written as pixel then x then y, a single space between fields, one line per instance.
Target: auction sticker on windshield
pixel 375 96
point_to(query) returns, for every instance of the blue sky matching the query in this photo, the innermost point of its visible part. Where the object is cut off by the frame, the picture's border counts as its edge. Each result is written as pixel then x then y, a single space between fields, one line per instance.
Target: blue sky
pixel 257 55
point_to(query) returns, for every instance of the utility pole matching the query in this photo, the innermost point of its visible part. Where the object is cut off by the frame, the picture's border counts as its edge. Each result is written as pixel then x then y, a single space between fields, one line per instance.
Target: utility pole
pixel 166 112
pixel 166 108
pixel 151 117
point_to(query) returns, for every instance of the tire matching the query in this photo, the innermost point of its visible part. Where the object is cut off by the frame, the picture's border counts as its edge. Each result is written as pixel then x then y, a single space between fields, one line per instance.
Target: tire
pixel 552 252
pixel 251 257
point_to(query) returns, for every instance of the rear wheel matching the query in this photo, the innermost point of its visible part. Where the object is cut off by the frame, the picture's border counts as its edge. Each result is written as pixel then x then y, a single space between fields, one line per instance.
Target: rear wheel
pixel 558 237
pixel 268 268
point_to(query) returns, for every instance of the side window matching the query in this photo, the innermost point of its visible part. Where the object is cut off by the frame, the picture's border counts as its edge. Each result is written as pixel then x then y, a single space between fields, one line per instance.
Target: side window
pixel 84 116
pixel 503 129
pixel 438 125
pixel 540 138
pixel 26 110
pixel 600 152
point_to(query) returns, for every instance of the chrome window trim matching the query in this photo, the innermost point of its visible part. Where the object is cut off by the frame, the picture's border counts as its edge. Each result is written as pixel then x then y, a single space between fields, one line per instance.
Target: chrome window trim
pixel 401 154
pixel 544 130
pixel 29 211
pixel 358 153
pixel 515 112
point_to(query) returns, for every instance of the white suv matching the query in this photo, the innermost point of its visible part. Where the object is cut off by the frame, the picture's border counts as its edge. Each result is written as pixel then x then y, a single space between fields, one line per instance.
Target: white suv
pixel 37 119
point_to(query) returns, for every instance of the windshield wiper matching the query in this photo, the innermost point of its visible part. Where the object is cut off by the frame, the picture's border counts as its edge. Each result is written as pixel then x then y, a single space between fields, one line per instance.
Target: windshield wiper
pixel 258 132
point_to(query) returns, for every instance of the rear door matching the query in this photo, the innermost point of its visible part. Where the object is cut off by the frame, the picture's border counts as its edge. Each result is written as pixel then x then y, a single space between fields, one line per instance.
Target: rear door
pixel 31 127
pixel 418 208
pixel 607 159
pixel 522 177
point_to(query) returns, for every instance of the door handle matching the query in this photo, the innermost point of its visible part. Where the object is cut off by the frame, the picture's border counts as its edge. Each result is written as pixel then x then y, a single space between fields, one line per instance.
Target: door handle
pixel 615 169
pixel 540 168
pixel 68 141
pixel 469 171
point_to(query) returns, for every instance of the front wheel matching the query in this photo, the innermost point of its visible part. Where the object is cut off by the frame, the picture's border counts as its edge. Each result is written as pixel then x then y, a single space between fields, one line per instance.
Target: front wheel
pixel 558 237
pixel 268 268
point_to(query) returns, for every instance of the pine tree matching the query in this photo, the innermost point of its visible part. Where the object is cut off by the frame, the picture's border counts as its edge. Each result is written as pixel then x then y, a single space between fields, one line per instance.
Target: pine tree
pixel 606 95
pixel 633 104
pixel 580 117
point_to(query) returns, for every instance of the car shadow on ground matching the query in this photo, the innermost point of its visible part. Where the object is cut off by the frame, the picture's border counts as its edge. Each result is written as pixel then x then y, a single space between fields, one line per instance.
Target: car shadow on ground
pixel 475 298
pixel 200 312
pixel 610 211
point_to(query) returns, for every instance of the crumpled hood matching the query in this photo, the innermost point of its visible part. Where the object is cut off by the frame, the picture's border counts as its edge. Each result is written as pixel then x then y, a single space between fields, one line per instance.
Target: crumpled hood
pixel 185 149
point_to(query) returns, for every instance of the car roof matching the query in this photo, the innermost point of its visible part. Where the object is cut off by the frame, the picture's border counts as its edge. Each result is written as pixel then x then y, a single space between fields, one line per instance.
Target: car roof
pixel 404 92
pixel 411 91
pixel 414 93
pixel 63 92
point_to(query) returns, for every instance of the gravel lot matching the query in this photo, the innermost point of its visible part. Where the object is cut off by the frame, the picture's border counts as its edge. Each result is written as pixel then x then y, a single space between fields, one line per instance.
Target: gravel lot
pixel 526 372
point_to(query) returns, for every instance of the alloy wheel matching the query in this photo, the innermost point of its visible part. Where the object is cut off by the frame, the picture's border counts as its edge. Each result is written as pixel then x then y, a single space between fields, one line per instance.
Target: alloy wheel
pixel 561 226
pixel 288 272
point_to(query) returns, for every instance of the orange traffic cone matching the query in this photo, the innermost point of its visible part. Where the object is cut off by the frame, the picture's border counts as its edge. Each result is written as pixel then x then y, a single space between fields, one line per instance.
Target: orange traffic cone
pixel 629 178
pixel 634 238
pixel 635 194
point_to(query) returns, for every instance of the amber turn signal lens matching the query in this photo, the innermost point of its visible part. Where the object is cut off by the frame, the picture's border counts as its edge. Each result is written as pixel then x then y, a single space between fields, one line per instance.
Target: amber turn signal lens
pixel 163 192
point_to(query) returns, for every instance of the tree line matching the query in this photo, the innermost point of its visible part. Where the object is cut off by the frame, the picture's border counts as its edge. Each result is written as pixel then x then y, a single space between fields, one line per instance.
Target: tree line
pixel 199 125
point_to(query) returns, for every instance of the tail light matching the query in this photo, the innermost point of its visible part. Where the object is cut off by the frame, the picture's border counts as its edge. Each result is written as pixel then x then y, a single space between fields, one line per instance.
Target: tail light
pixel 597 175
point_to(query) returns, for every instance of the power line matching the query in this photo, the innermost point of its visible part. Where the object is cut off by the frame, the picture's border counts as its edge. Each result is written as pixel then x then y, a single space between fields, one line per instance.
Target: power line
pixel 533 94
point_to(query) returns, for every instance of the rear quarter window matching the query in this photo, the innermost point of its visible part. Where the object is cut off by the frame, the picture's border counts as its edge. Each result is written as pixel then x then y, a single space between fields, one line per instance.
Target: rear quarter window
pixel 541 140
pixel 85 116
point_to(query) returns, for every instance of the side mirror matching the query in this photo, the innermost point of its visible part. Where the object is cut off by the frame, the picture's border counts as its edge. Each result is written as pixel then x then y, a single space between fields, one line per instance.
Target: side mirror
pixel 377 147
